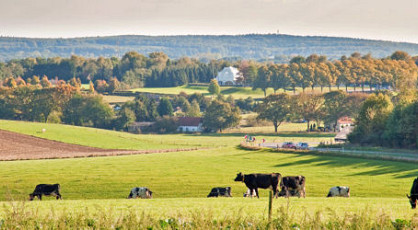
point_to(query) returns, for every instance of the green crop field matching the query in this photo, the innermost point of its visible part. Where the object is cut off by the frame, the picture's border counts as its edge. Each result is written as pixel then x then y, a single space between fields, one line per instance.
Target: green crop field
pixel 95 189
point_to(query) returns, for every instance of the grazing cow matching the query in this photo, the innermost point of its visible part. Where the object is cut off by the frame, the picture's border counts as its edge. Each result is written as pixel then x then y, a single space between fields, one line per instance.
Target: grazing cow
pixel 141 192
pixel 249 193
pixel 339 191
pixel 47 190
pixel 414 194
pixel 293 185
pixel 258 180
pixel 218 191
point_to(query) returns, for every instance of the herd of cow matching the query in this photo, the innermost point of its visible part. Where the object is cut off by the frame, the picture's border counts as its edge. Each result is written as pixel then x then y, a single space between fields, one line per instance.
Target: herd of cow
pixel 289 186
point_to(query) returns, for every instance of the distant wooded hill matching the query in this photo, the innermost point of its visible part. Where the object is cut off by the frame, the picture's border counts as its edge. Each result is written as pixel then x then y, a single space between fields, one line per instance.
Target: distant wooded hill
pixel 252 46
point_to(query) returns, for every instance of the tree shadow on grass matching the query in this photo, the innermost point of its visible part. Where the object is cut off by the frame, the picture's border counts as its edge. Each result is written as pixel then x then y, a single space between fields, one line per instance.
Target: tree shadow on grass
pixel 282 134
pixel 377 167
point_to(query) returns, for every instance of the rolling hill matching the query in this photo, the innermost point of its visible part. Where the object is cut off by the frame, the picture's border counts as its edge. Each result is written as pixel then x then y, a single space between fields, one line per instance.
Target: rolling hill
pixel 251 46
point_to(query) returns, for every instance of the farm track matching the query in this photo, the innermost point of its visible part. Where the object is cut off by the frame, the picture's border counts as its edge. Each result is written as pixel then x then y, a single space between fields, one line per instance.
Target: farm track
pixel 15 146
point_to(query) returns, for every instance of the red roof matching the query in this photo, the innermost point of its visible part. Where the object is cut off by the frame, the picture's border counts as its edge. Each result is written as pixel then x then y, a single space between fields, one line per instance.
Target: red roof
pixel 189 121
pixel 345 120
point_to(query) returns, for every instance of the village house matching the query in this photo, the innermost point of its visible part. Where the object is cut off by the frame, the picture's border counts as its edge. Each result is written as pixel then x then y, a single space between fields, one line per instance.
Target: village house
pixel 344 122
pixel 189 124
pixel 229 76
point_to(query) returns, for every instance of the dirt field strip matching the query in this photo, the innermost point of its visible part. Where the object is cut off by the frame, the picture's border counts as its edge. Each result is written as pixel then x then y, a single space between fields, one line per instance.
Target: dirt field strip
pixel 15 146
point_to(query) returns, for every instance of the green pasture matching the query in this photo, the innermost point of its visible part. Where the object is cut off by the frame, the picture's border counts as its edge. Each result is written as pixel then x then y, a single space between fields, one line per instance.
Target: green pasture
pixel 121 140
pixel 192 174
pixel 94 190
pixel 113 99
pixel 236 92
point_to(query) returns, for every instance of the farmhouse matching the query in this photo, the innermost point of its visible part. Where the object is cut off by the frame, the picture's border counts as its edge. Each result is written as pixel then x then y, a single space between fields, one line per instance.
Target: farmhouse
pixel 189 124
pixel 344 122
pixel 229 76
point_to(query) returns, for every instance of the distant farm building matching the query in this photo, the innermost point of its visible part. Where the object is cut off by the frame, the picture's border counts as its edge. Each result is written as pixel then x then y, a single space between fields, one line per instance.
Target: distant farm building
pixel 189 124
pixel 345 126
pixel 229 76
pixel 344 122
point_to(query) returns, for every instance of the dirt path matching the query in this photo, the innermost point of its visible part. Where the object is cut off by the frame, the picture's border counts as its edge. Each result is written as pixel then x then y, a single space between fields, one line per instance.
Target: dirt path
pixel 16 146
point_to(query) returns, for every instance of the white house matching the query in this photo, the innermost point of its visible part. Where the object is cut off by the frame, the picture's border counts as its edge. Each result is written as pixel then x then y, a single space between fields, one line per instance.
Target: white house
pixel 189 124
pixel 228 76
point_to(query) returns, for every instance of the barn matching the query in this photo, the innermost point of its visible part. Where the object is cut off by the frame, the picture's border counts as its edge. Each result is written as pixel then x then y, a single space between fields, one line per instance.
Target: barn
pixel 229 76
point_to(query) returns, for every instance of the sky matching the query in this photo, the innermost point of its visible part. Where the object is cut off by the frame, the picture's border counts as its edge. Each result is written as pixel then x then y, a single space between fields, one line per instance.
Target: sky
pixel 372 19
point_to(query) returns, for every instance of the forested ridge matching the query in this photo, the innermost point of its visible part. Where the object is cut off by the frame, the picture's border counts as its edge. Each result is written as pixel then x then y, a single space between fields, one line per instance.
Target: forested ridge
pixel 251 46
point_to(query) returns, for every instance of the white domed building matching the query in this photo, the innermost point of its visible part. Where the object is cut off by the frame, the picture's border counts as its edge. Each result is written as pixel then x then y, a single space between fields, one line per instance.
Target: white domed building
pixel 229 76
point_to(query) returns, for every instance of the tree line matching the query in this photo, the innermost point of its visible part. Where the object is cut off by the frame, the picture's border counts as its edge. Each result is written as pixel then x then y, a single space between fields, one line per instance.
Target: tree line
pixel 132 70
pixel 135 70
pixel 397 72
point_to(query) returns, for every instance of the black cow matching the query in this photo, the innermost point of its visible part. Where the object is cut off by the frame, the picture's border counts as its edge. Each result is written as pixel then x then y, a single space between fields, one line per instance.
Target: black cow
pixel 218 191
pixel 414 194
pixel 47 190
pixel 258 180
pixel 292 186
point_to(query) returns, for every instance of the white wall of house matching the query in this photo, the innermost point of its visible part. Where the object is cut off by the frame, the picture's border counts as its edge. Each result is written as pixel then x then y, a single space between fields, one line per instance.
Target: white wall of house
pixel 186 129
pixel 228 76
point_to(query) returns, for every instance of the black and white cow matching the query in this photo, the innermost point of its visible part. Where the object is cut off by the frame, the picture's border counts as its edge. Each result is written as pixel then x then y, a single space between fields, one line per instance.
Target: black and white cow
pixel 141 192
pixel 46 190
pixel 343 191
pixel 293 186
pixel 413 197
pixel 258 180
pixel 219 191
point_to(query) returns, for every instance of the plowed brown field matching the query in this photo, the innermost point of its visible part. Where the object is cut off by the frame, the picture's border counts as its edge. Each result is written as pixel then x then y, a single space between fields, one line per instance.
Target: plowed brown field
pixel 15 146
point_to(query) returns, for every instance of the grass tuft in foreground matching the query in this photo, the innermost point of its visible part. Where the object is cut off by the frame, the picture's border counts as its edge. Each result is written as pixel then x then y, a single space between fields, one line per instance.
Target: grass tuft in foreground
pixel 17 216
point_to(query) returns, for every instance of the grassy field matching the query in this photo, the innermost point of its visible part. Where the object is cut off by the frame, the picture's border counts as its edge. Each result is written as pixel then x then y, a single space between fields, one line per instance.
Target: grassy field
pixel 94 189
pixel 236 92
pixel 121 140
pixel 113 99
pixel 192 174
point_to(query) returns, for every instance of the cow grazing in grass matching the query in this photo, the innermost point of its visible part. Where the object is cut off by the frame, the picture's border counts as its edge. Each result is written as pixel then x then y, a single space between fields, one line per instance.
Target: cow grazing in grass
pixel 141 192
pixel 218 191
pixel 414 194
pixel 46 190
pixel 292 186
pixel 258 180
pixel 339 191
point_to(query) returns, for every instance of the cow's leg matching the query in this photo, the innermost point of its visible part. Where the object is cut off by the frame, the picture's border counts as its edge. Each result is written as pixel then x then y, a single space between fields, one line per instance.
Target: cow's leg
pixel 40 196
pixel 304 192
pixel 59 197
pixel 256 192
pixel 274 191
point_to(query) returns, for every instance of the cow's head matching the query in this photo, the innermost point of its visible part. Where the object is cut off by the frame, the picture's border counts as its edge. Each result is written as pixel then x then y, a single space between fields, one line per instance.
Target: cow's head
pixel 149 193
pixel 412 200
pixel 240 177
pixel 31 197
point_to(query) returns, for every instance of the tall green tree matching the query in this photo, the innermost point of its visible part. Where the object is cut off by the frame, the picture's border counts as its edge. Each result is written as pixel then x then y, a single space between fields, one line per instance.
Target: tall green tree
pixel 371 120
pixel 214 87
pixel 220 115
pixel 275 108
pixel 165 108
